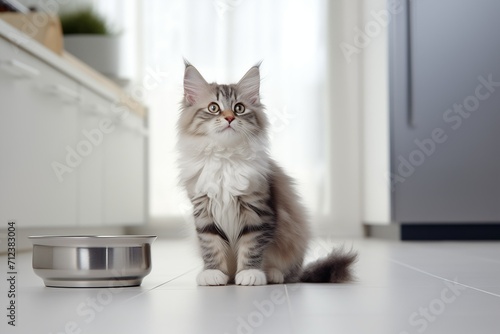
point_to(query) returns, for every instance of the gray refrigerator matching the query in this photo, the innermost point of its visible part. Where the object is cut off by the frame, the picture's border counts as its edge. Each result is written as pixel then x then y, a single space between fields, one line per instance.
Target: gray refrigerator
pixel 444 75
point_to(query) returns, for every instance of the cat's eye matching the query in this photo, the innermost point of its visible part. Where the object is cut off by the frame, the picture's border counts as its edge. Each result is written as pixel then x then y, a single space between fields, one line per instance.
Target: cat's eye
pixel 239 108
pixel 213 108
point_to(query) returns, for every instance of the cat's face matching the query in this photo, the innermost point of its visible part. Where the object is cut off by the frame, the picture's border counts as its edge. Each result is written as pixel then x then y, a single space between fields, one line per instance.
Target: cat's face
pixel 226 114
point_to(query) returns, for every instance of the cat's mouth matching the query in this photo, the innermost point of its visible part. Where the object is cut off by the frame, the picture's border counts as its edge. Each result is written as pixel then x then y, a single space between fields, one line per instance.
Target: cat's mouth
pixel 227 128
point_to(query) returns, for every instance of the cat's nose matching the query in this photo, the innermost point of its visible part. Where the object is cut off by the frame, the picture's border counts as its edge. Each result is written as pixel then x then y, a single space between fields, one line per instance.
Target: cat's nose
pixel 228 116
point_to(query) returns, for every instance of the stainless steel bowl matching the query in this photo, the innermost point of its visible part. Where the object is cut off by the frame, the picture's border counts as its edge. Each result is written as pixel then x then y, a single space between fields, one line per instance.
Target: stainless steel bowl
pixel 92 261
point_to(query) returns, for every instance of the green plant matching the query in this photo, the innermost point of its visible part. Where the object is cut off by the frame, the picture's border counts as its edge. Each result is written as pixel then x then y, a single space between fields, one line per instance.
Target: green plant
pixel 84 21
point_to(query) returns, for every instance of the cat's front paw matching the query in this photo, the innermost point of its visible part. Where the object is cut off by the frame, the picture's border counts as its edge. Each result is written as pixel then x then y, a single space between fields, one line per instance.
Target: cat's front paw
pixel 212 277
pixel 250 277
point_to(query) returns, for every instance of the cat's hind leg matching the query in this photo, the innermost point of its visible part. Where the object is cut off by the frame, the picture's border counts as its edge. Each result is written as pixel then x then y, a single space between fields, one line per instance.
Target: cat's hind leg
pixel 275 276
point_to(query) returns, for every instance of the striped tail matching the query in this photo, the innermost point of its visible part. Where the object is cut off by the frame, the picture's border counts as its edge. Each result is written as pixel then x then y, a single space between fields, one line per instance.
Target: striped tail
pixel 336 267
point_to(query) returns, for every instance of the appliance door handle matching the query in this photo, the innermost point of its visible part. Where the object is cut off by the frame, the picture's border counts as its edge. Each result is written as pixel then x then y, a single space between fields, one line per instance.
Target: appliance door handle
pixel 19 69
pixel 409 70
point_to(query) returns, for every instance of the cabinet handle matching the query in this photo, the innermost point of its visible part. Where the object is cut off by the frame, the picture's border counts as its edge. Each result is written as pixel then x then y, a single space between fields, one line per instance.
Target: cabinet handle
pixel 95 109
pixel 128 126
pixel 409 69
pixel 19 69
pixel 63 92
pixel 143 131
pixel 137 129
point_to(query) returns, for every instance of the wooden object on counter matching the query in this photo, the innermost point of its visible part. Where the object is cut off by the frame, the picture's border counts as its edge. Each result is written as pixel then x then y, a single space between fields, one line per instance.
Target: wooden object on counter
pixel 43 27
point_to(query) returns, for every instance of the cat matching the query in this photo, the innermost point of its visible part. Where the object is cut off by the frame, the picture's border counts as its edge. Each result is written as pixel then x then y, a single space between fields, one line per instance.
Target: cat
pixel 251 226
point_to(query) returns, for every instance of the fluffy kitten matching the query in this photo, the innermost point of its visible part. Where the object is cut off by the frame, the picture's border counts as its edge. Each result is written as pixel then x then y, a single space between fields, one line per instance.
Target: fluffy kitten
pixel 251 225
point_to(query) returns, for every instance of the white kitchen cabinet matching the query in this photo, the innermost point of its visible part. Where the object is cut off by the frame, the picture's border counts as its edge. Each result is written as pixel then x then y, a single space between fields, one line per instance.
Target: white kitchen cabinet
pixel 125 171
pixel 66 157
pixel 94 121
pixel 38 122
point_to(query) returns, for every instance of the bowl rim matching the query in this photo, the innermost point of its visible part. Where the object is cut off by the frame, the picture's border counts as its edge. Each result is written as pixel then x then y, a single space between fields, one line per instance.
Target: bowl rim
pixel 91 240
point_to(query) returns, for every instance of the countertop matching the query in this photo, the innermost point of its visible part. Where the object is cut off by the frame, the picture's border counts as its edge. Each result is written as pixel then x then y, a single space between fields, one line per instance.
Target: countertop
pixel 73 68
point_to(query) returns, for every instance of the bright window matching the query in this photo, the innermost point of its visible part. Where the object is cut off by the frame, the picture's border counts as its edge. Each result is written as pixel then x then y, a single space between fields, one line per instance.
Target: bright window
pixel 223 39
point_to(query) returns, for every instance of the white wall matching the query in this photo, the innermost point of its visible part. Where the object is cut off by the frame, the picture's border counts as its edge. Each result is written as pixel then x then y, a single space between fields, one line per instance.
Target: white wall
pixel 375 112
pixel 344 123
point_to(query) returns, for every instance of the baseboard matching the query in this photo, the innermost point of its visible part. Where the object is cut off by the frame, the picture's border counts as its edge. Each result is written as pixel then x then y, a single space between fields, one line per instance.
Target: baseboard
pixel 386 232
pixel 450 232
pixel 434 232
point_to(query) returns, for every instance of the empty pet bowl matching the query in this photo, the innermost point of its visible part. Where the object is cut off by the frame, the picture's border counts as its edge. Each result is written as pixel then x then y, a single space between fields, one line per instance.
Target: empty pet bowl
pixel 92 261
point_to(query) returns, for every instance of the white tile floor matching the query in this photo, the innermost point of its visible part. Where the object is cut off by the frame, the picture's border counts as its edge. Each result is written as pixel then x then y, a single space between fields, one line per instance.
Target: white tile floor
pixel 401 288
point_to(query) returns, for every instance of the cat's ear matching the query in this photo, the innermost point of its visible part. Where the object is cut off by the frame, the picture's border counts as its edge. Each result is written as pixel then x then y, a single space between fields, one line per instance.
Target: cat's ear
pixel 194 84
pixel 249 85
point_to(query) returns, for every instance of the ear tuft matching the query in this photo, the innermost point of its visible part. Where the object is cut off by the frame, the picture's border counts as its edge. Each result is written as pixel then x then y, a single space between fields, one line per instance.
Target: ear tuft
pixel 194 83
pixel 249 85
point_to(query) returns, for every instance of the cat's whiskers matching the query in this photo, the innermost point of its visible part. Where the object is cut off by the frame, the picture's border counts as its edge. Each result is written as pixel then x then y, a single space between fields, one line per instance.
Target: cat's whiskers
pixel 250 136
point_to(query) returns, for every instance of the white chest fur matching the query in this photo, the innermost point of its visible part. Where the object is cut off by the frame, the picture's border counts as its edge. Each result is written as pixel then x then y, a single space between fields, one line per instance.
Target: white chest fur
pixel 223 175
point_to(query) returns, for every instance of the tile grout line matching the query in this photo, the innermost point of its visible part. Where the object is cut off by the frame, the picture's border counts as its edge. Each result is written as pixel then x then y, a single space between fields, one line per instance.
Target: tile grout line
pixel 486 259
pixel 289 303
pixel 466 254
pixel 442 278
pixel 148 290
pixel 176 277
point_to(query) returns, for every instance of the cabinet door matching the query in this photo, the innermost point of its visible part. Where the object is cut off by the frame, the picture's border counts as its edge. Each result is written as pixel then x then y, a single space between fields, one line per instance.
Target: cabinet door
pixel 37 128
pixel 125 172
pixel 445 110
pixel 94 127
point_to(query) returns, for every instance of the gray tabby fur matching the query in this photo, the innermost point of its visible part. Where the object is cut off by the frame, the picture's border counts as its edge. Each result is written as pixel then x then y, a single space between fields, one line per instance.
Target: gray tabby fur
pixel 251 226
